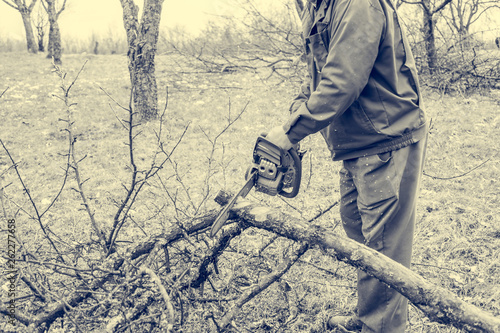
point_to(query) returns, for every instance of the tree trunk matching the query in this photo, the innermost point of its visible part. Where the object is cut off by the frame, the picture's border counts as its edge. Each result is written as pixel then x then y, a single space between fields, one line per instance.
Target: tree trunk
pixel 54 50
pixel 41 35
pixel 430 44
pixel 30 37
pixel 438 304
pixel 54 47
pixel 142 38
pixel 429 9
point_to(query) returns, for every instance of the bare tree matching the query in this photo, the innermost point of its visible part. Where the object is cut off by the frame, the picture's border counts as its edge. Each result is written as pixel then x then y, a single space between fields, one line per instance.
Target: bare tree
pixel 429 9
pixel 25 10
pixel 461 14
pixel 142 38
pixel 54 47
pixel 40 23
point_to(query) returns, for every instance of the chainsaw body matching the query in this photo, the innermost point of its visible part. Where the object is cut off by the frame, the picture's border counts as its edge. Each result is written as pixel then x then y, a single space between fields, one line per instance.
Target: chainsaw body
pixel 273 171
pixel 277 171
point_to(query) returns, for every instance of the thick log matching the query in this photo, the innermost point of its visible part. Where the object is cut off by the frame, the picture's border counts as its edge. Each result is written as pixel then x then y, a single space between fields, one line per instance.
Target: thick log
pixel 438 304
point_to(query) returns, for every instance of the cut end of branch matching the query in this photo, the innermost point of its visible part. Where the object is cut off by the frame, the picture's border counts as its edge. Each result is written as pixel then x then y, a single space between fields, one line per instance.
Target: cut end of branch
pixel 223 197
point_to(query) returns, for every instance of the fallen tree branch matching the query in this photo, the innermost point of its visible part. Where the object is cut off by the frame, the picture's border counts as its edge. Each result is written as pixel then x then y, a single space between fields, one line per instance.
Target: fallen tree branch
pixel 165 296
pixel 141 304
pixel 438 304
pixel 222 243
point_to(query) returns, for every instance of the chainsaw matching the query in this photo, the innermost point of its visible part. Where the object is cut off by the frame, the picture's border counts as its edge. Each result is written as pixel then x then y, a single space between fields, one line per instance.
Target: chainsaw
pixel 274 171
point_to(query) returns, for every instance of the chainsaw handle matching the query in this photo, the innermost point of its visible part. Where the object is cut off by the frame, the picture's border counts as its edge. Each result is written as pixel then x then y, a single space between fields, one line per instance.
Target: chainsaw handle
pixel 297 176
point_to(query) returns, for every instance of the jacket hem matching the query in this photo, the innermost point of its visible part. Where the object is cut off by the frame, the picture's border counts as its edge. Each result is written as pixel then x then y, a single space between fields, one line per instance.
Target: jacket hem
pixel 383 147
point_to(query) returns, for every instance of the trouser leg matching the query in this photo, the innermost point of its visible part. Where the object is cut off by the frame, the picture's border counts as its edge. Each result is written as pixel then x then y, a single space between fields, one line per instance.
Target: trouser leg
pixel 378 199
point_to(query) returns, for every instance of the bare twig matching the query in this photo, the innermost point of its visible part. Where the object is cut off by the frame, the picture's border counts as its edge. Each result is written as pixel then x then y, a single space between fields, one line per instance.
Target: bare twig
pixel 263 284
pixel 38 217
pixel 72 151
pixel 230 122
pixel 3 92
pixel 63 185
pixel 140 183
pixel 458 176
pixel 324 211
pixel 38 293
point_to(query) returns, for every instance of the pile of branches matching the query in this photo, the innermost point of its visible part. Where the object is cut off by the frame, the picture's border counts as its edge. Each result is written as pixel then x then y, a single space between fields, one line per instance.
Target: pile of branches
pixel 107 279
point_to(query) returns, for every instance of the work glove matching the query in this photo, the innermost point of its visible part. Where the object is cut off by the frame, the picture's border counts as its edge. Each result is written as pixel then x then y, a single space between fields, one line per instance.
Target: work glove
pixel 277 136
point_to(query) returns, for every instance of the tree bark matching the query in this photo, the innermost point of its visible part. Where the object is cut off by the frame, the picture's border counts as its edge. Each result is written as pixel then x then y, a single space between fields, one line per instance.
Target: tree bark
pixel 55 43
pixel 41 35
pixel 430 43
pixel 437 303
pixel 25 12
pixel 142 38
pixel 54 46
pixel 30 37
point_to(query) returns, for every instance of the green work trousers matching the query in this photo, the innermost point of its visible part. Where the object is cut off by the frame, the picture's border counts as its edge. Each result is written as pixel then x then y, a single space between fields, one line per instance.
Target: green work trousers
pixel 378 200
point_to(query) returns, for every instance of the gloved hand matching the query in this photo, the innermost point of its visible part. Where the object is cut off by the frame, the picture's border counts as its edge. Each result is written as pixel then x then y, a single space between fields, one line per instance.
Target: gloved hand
pixel 277 136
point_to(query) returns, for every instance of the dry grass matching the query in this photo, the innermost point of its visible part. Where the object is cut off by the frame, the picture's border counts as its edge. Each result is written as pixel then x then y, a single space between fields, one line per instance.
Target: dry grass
pixel 457 237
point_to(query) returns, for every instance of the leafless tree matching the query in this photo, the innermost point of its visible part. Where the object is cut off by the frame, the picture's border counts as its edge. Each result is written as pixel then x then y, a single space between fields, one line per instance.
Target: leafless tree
pixel 25 9
pixel 429 9
pixel 54 47
pixel 40 22
pixel 461 14
pixel 142 38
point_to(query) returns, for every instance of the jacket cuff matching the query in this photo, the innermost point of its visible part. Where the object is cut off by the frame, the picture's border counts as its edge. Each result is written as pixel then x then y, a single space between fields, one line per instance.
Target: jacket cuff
pixel 293 128
pixel 295 106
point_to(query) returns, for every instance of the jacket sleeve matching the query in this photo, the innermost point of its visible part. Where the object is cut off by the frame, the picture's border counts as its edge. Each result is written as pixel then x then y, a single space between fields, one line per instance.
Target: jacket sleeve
pixel 356 31
pixel 303 96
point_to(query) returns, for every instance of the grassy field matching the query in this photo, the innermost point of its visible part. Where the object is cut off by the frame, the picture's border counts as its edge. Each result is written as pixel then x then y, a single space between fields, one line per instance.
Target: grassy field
pixel 458 234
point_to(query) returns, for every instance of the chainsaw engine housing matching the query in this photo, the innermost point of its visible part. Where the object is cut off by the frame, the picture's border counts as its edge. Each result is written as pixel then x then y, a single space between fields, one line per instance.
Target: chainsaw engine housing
pixel 276 169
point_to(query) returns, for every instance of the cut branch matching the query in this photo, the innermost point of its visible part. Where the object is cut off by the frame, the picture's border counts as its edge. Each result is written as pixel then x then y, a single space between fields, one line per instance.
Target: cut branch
pixel 438 304
pixel 222 243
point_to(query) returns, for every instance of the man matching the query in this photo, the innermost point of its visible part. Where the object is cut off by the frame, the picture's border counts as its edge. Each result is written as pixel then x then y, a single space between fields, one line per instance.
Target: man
pixel 363 95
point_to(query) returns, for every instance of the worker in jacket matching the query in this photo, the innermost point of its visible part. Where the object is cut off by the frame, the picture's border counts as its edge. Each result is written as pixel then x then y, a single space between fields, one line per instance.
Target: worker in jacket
pixel 363 95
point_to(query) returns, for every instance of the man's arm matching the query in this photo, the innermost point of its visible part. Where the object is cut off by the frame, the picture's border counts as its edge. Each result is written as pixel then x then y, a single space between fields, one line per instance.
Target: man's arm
pixel 357 28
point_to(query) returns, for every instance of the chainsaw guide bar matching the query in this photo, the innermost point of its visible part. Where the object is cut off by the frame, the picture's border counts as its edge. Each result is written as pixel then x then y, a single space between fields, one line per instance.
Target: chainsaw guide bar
pixel 224 213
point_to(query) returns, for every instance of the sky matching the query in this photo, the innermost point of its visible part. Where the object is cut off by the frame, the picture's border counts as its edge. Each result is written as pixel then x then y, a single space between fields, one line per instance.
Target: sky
pixel 82 18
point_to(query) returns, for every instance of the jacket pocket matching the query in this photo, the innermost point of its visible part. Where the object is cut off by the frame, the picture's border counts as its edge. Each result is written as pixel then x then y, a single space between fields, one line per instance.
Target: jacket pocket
pixel 318 45
pixel 384 157
pixel 363 120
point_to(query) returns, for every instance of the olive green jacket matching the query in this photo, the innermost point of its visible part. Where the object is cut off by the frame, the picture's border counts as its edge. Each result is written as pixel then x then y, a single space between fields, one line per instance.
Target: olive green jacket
pixel 363 92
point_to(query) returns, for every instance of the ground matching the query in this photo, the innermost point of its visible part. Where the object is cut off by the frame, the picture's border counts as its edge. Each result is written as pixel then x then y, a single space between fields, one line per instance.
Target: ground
pixel 457 239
